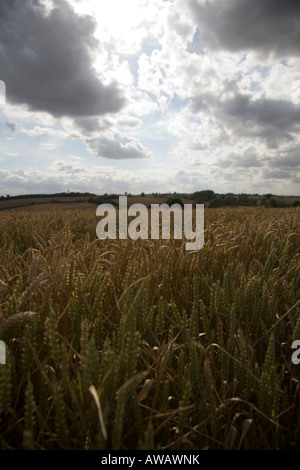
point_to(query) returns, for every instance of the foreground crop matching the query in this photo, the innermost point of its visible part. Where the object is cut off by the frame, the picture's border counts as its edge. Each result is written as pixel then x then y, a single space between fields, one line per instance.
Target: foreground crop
pixel 121 344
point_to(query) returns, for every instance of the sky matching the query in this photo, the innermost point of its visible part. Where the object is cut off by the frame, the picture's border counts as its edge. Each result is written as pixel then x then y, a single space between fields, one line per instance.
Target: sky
pixel 149 96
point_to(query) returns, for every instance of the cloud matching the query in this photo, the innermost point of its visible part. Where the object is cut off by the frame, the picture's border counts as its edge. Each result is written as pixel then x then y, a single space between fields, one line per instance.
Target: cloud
pixel 98 180
pixel 245 159
pixel 117 147
pixel 267 118
pixel 276 174
pixel 265 26
pixel 13 126
pixel 198 145
pixel 265 112
pixel 91 125
pixel 43 130
pixel 270 119
pixel 129 122
pixel 46 60
pixel 287 160
pixel 61 166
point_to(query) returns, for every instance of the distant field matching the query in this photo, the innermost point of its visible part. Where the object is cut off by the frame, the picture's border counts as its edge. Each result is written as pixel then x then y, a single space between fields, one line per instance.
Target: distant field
pixel 44 203
pixel 46 206
pixel 85 202
pixel 69 202
pixel 122 344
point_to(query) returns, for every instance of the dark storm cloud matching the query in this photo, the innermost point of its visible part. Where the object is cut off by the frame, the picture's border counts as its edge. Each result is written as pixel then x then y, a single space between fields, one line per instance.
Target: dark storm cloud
pixel 45 60
pixel 270 119
pixel 266 26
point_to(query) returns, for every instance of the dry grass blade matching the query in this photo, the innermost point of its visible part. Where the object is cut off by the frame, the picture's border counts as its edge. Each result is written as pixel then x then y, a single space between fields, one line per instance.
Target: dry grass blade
pixel 251 405
pixel 94 394
pixel 246 426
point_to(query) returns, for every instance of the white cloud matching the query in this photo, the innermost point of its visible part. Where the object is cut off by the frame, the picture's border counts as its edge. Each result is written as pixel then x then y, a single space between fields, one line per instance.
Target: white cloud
pixel 117 147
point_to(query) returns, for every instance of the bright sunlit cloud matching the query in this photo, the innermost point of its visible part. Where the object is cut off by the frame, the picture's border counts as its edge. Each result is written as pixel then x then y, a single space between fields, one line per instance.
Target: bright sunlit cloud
pixel 119 22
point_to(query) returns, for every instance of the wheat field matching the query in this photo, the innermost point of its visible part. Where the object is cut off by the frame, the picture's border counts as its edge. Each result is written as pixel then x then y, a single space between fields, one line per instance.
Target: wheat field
pixel 122 344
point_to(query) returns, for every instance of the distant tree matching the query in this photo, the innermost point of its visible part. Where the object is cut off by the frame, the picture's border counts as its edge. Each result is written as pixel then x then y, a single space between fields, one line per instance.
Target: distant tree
pixel 244 200
pixel 263 201
pixel 204 196
pixel 218 201
pixel 273 202
pixel 174 200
